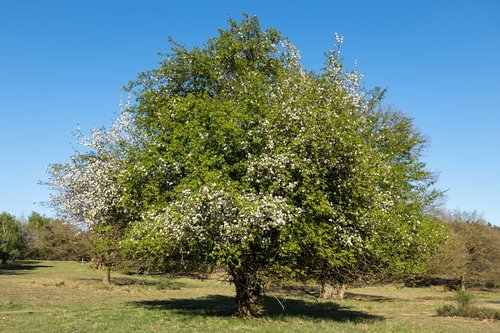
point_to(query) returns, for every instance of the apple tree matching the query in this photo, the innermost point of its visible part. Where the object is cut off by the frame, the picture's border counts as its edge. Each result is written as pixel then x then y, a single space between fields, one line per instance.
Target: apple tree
pixel 252 163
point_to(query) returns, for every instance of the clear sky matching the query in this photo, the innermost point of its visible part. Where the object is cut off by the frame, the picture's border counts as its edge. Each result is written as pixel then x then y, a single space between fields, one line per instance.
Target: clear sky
pixel 63 63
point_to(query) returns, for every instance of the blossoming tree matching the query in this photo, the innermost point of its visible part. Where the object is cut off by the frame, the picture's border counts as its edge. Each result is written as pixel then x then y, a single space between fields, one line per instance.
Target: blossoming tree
pixel 88 191
pixel 235 156
pixel 253 164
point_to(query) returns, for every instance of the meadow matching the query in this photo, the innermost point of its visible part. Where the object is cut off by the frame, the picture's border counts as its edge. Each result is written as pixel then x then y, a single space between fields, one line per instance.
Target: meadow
pixel 51 296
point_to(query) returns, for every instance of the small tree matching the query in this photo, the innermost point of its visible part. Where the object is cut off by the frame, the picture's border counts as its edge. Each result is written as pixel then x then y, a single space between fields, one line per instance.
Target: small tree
pixel 272 172
pixel 88 189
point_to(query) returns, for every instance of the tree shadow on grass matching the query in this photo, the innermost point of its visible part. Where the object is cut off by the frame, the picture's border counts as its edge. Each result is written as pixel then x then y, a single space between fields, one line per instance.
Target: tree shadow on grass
pixel 160 284
pixel 371 298
pixel 223 306
pixel 21 267
pixel 493 301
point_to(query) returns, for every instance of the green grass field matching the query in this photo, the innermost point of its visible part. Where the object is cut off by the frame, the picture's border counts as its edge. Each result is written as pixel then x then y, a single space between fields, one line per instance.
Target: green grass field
pixel 69 297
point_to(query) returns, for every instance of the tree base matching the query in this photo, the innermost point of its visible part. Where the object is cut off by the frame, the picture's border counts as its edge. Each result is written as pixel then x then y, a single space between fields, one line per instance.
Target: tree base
pixel 248 296
pixel 332 291
pixel 106 279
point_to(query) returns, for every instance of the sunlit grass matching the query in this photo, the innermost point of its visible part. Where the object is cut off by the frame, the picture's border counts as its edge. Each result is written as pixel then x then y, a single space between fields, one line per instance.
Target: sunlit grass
pixel 69 297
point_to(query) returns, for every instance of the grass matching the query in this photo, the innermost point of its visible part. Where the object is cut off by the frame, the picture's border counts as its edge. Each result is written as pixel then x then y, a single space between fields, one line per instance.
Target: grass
pixel 69 297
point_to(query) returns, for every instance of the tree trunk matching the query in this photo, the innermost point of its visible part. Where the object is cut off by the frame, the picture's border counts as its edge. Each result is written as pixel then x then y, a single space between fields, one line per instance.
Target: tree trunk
pixel 332 291
pixel 106 279
pixel 248 295
pixel 462 283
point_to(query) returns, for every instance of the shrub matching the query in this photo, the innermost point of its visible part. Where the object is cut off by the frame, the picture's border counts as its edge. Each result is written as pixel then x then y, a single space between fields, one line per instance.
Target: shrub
pixel 465 302
pixel 447 310
pixel 491 284
pixel 465 308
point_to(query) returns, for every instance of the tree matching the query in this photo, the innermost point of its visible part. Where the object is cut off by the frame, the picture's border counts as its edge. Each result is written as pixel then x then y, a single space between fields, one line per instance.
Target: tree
pixel 253 164
pixel 54 239
pixel 36 229
pixel 472 251
pixel 11 241
pixel 89 192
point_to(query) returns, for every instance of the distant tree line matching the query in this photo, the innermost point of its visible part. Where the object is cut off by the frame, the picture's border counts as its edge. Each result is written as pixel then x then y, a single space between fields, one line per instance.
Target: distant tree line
pixel 41 238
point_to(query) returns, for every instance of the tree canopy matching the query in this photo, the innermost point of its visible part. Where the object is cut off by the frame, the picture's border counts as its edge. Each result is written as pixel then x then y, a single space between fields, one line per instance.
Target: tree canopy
pixel 240 158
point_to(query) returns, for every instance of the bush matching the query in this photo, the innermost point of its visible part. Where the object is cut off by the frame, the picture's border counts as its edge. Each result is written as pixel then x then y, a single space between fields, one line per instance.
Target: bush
pixel 491 285
pixel 447 310
pixel 465 308
pixel 464 301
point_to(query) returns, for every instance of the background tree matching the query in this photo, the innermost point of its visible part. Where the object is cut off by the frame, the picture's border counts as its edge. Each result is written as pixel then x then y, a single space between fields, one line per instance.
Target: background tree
pixel 11 241
pixel 472 252
pixel 53 239
pixel 274 173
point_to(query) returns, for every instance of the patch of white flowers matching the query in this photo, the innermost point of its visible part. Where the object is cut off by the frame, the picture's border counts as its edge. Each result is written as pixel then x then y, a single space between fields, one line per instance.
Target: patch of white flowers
pixel 214 216
pixel 348 81
pixel 87 188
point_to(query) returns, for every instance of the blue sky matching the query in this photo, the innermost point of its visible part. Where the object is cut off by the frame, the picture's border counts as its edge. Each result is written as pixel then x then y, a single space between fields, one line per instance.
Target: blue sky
pixel 63 63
